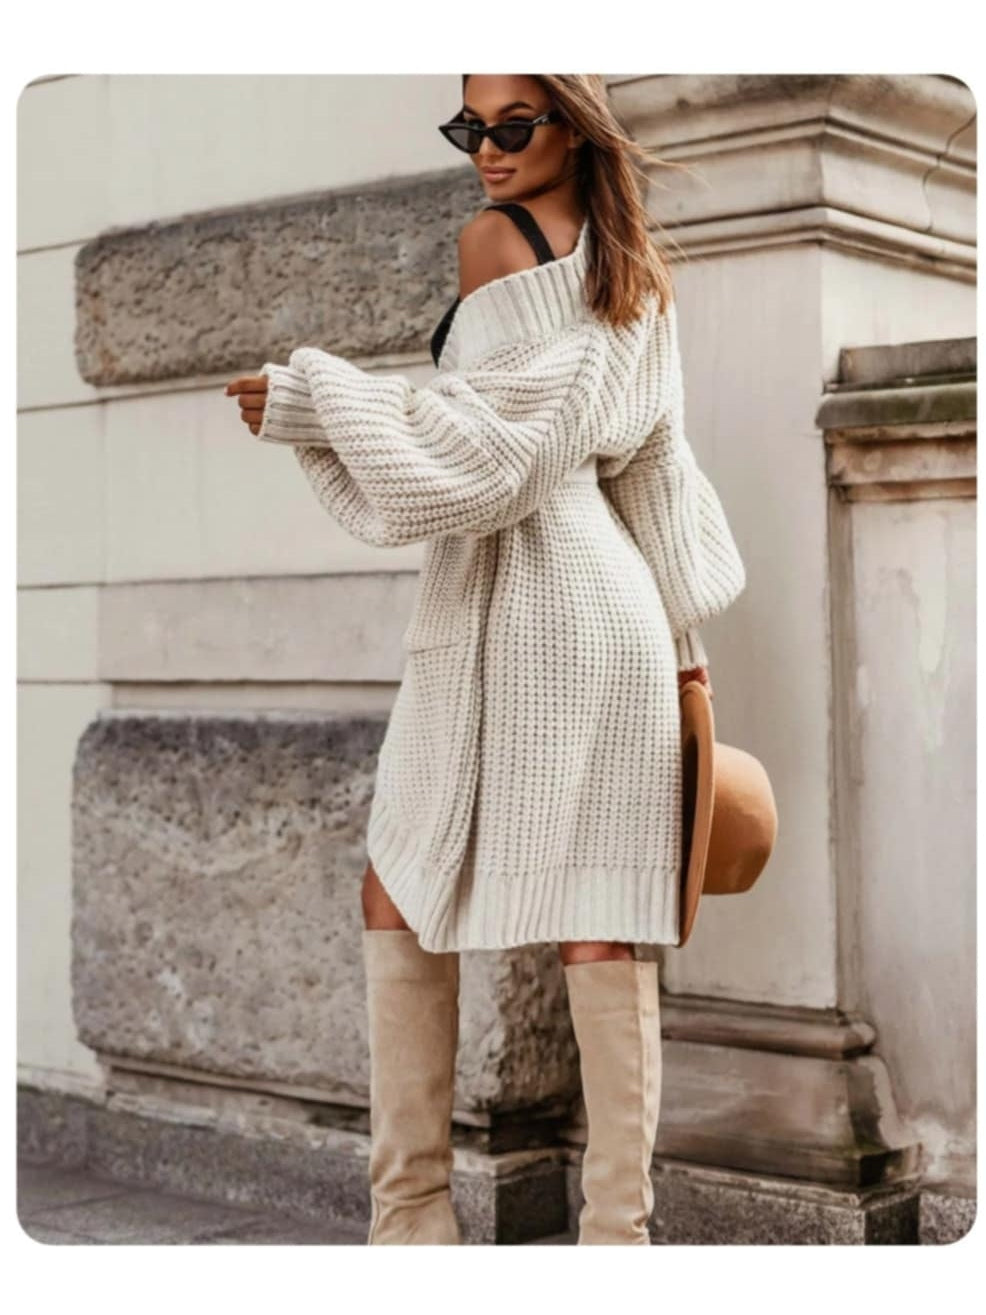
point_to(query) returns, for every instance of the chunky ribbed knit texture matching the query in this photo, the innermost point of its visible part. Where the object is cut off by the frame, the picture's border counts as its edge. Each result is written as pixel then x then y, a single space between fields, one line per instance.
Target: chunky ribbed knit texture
pixel 528 786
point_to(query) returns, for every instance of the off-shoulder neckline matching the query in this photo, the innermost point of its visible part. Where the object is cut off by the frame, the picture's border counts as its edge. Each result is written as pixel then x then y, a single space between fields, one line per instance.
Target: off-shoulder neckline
pixel 531 270
pixel 524 303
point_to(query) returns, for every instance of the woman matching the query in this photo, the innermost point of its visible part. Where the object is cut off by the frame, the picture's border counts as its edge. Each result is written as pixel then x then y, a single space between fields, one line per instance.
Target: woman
pixel 528 786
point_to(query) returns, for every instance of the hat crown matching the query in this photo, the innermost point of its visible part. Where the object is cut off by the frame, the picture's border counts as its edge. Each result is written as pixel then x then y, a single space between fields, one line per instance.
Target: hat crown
pixel 729 813
pixel 744 822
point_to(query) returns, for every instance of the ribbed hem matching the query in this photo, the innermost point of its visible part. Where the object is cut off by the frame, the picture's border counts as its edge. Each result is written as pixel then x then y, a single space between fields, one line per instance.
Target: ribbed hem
pixel 289 412
pixel 638 905
pixel 690 650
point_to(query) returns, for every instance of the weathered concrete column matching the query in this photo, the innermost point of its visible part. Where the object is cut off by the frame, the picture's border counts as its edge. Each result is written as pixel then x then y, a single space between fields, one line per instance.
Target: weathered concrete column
pixel 819 214
pixel 900 434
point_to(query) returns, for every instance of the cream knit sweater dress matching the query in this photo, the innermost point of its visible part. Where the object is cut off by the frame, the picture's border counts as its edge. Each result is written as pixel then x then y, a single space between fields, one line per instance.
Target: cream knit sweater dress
pixel 529 783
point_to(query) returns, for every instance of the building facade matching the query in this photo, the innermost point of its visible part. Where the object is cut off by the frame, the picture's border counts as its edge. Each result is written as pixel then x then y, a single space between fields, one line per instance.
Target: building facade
pixel 206 661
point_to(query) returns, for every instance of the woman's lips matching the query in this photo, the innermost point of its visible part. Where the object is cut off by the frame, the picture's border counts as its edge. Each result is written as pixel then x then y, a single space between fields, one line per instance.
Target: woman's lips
pixel 496 175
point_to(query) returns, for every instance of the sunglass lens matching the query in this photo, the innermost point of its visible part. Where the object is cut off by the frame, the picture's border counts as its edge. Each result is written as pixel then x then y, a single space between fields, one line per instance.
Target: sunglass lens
pixel 461 135
pixel 512 136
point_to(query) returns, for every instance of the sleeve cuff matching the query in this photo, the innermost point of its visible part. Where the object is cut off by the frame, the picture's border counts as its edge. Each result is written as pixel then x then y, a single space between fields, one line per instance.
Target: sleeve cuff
pixel 289 412
pixel 690 650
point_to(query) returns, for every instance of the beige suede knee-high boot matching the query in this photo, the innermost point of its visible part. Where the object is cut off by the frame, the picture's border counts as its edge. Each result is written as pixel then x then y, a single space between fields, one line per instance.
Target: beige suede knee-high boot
pixel 413 1016
pixel 614 1005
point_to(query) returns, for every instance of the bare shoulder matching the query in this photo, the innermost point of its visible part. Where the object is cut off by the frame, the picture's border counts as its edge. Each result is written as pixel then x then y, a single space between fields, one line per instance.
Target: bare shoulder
pixel 490 246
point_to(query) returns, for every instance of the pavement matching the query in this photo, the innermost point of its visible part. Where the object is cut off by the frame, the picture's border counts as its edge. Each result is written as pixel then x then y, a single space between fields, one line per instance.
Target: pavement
pixel 75 1207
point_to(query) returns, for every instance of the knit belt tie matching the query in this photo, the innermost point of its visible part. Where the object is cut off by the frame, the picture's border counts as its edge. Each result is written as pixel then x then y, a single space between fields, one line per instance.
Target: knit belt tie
pixel 584 474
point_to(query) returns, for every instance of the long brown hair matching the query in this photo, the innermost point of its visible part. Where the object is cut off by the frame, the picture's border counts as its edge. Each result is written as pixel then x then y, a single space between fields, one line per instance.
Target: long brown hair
pixel 625 263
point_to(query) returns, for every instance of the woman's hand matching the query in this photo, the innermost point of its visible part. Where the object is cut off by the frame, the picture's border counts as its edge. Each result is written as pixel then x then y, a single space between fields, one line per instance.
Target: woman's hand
pixel 252 392
pixel 701 674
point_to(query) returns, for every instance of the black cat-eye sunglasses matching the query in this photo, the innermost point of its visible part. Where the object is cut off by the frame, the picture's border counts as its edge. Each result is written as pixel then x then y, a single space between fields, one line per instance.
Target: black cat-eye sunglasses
pixel 511 136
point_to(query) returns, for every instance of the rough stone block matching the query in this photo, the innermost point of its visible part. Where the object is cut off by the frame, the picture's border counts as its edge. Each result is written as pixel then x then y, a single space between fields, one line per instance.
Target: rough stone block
pixel 696 1205
pixel 358 271
pixel 947 1214
pixel 216 927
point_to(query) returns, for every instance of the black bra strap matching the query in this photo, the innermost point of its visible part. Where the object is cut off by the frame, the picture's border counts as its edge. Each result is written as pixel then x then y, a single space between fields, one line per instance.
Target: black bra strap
pixel 528 225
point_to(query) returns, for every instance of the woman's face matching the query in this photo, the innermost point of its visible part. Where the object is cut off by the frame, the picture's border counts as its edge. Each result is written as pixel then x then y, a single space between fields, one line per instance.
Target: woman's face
pixel 492 98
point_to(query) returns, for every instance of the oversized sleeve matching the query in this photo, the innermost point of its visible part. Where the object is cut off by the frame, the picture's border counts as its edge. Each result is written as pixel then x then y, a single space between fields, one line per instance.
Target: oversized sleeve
pixel 676 517
pixel 471 450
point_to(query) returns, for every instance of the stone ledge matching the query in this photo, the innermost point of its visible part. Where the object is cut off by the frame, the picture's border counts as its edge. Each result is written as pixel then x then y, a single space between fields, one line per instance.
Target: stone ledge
pixel 900 422
pixel 921 403
pixel 696 1205
pixel 500 1199
pixel 907 362
pixel 315 1174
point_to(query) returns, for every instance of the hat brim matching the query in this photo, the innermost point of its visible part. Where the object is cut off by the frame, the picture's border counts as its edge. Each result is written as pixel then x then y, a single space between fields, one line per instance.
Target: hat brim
pixel 697 798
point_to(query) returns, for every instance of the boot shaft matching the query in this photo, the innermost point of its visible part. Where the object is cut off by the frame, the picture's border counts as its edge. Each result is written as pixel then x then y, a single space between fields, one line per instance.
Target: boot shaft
pixel 413 1029
pixel 614 1006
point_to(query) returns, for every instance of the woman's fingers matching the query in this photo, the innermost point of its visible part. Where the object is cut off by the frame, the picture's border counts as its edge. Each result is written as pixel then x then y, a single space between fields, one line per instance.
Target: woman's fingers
pixel 247 383
pixel 250 390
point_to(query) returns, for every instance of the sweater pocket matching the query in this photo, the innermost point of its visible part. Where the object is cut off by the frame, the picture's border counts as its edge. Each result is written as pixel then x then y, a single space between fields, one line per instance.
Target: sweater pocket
pixel 440 613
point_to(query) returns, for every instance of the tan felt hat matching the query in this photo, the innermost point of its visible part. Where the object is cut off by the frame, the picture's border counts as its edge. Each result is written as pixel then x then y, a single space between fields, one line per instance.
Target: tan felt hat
pixel 729 815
